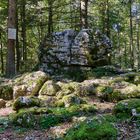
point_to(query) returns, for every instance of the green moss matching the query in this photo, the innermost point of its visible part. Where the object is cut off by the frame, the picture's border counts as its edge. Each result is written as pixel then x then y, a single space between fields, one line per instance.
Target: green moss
pixel 124 107
pixel 39 84
pixel 50 120
pixel 74 110
pixel 95 129
pixel 88 108
pixel 50 88
pixel 67 88
pixel 36 110
pixel 59 103
pixel 48 117
pixel 71 99
pixel 102 71
pixel 24 119
pixel 105 92
pixel 25 102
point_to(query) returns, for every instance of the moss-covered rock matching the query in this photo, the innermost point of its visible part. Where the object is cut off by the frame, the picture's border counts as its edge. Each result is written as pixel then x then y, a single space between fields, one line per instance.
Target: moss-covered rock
pixel 36 110
pixel 124 107
pixel 86 89
pixel 74 110
pixel 25 102
pixel 93 129
pixel 71 100
pixel 105 92
pixel 118 91
pixel 6 92
pixel 67 88
pixel 50 88
pixel 29 84
pixel 49 101
pixel 24 119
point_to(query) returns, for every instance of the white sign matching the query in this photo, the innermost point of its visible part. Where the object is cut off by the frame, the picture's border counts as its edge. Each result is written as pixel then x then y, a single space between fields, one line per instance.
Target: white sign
pixel 12 33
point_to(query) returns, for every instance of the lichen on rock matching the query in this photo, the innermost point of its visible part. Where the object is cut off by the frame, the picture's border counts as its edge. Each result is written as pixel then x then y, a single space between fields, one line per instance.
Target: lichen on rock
pixel 25 102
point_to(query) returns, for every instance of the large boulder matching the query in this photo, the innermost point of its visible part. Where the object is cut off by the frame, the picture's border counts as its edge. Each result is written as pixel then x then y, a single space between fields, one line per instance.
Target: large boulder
pixel 29 84
pixel 69 50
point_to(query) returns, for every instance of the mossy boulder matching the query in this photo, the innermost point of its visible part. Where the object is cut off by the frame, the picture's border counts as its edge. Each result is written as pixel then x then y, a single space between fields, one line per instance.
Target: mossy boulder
pixel 71 99
pixel 67 89
pixel 24 119
pixel 118 91
pixel 131 91
pixel 26 102
pixel 124 108
pixel 92 129
pixel 86 89
pixel 49 101
pixel 29 84
pixel 50 88
pixel 6 92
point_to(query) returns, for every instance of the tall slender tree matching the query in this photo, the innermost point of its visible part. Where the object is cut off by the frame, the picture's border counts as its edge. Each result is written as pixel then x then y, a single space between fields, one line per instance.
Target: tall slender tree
pixel 10 67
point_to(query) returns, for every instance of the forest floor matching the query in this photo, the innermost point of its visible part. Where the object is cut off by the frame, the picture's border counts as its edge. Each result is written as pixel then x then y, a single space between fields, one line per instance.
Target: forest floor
pixel 128 131
pixel 100 95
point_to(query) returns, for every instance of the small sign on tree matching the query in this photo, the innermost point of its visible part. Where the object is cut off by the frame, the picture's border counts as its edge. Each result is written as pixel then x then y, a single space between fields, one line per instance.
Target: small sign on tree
pixel 12 33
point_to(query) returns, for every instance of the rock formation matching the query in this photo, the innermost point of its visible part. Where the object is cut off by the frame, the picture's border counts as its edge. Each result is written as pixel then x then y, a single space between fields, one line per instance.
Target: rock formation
pixel 70 49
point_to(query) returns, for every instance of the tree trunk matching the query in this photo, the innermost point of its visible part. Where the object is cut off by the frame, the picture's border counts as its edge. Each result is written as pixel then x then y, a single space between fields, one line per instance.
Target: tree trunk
pixel 24 51
pixel 1 54
pixel 10 67
pixel 131 36
pixel 50 17
pixel 84 13
pixel 17 45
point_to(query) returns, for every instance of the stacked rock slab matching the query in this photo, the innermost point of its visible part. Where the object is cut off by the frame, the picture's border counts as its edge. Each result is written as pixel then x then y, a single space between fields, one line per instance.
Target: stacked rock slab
pixel 70 49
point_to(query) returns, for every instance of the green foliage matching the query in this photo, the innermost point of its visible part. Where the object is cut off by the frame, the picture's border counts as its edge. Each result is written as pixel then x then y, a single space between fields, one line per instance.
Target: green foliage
pixel 24 119
pixel 94 129
pixel 102 71
pixel 4 123
pixel 123 109
pixel 50 120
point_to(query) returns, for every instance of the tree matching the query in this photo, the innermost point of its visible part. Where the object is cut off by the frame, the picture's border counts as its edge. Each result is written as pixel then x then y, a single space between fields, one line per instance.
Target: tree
pixel 10 68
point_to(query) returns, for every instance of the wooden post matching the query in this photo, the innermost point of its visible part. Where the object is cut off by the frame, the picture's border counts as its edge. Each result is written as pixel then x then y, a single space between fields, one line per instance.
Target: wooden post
pixel 10 65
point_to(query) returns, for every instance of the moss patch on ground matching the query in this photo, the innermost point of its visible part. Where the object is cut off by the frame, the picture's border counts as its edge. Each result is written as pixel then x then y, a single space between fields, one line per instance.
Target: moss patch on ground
pixel 92 129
